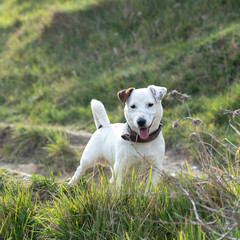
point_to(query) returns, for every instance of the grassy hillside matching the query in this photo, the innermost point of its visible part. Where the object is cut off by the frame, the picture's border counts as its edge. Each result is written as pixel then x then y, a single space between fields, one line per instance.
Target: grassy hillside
pixel 56 56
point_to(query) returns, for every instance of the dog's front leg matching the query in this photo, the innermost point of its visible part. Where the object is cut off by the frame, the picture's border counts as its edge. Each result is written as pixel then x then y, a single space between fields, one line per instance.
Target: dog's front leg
pixel 119 167
pixel 77 175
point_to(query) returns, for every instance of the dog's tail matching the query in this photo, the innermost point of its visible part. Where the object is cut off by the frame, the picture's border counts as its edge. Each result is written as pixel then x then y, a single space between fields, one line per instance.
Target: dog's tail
pixel 99 114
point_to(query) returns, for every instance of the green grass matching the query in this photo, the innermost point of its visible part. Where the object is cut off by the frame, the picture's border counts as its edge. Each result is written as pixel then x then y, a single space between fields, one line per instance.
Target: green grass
pixel 55 56
pixel 184 207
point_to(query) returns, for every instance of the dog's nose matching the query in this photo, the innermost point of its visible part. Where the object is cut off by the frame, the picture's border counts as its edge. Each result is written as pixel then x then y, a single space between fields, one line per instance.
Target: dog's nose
pixel 141 122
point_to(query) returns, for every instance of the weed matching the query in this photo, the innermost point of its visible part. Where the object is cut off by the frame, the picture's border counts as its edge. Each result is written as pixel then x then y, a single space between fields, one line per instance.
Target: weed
pixel 59 144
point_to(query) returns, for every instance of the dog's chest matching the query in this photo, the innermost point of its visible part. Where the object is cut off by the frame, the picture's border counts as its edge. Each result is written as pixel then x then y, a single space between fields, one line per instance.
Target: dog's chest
pixel 145 152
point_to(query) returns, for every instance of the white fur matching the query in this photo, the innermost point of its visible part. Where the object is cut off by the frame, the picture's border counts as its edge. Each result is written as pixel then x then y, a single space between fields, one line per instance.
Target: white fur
pixel 107 147
pixel 99 114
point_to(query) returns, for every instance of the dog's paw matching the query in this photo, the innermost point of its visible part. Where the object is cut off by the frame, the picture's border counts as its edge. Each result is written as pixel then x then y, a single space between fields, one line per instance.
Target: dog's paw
pixel 71 183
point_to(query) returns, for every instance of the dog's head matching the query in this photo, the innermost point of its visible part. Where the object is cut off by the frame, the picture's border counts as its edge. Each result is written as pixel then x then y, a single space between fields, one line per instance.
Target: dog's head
pixel 143 109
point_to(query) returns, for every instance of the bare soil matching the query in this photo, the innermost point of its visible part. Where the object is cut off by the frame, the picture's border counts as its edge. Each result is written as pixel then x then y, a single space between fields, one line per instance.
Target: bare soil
pixel 175 160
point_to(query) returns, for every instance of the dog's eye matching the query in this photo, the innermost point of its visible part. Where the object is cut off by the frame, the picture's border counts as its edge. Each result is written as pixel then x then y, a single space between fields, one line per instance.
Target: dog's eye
pixel 133 106
pixel 150 104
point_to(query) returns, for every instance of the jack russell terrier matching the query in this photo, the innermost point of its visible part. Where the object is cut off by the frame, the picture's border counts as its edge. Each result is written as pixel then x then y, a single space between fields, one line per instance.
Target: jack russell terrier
pixel 123 145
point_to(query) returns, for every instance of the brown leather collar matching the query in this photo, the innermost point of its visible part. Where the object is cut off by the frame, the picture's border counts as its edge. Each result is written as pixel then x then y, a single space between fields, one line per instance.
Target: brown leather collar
pixel 134 137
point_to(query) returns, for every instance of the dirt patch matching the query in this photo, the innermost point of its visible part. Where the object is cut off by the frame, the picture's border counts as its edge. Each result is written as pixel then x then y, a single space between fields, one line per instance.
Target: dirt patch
pixel 28 168
pixel 175 160
pixel 77 139
pixel 14 175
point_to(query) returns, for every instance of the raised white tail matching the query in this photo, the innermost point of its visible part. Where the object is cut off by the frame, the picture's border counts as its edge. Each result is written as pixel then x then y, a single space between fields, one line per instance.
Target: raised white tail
pixel 99 114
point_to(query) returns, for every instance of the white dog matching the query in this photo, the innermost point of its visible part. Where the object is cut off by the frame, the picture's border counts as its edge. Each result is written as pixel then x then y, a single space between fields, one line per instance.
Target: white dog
pixel 123 145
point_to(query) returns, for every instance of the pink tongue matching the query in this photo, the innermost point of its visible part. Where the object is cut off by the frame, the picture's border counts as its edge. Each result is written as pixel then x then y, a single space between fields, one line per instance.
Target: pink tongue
pixel 143 132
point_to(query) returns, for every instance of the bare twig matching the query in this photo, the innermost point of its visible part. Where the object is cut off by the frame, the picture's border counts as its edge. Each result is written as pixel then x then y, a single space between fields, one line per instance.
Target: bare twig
pixel 235 113
pixel 180 96
pixel 206 225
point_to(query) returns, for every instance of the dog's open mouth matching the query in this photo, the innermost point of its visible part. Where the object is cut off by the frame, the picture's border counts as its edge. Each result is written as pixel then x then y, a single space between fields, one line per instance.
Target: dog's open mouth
pixel 143 132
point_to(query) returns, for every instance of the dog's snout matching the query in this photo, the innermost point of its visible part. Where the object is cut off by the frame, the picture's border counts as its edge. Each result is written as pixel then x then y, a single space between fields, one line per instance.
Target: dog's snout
pixel 141 122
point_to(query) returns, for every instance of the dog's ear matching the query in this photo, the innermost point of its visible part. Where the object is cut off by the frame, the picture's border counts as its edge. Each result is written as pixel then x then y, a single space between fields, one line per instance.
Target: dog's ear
pixel 124 94
pixel 158 92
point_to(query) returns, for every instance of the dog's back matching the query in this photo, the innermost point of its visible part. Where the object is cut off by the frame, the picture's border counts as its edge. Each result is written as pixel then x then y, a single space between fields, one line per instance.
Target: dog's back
pixel 99 114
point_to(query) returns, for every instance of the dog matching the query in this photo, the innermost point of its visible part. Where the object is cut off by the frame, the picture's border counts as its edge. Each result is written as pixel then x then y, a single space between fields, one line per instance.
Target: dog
pixel 122 145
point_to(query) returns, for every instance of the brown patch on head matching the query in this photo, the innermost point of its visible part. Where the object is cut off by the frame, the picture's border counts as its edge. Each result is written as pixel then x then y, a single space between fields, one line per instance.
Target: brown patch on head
pixel 124 94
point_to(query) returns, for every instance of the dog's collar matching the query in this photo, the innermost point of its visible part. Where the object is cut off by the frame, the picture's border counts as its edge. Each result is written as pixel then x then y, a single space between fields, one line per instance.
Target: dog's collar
pixel 134 137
